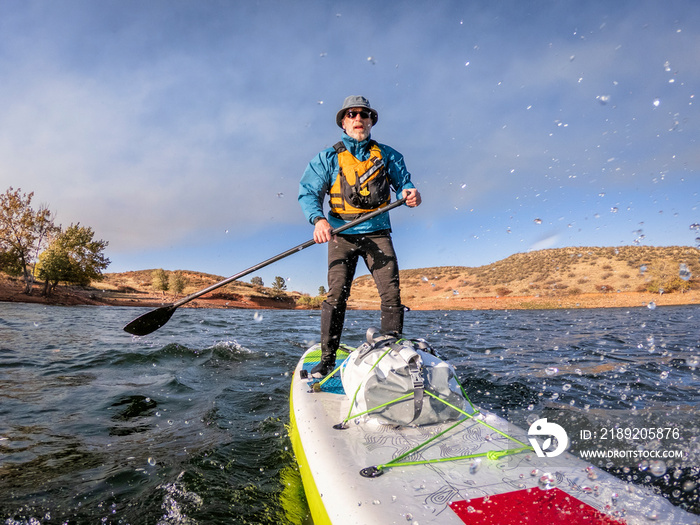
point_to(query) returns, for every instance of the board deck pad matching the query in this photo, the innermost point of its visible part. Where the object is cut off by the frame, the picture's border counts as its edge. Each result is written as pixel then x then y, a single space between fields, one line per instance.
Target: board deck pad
pixel 333 385
pixel 552 506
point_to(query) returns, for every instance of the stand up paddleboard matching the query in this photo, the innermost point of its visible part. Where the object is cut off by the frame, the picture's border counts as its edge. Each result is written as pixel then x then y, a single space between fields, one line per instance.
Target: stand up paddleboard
pixel 357 471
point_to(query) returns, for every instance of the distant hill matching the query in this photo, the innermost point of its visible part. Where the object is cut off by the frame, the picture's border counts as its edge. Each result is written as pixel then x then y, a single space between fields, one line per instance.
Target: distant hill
pixel 127 286
pixel 586 277
pixel 553 273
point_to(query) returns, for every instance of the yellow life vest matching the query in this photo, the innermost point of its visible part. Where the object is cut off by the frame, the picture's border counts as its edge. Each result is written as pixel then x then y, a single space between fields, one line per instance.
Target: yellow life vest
pixel 361 186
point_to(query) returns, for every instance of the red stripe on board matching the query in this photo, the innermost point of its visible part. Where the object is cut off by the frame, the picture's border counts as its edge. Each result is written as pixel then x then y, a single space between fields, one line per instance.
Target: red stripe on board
pixel 553 507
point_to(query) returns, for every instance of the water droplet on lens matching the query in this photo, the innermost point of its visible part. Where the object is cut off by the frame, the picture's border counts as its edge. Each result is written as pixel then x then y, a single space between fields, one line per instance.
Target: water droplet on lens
pixel 257 317
pixel 688 485
pixel 684 272
pixel 474 467
pixel 546 481
pixel 538 221
pixel 550 371
pixel 658 468
pixel 651 305
pixel 152 462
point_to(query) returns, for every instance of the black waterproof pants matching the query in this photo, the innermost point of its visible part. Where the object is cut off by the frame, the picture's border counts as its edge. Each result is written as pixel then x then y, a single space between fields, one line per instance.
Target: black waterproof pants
pixel 344 252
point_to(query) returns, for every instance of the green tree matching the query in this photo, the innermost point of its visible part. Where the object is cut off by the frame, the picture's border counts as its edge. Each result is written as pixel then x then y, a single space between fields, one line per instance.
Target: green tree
pixel 160 280
pixel 177 282
pixel 279 284
pixel 10 262
pixel 257 281
pixel 23 233
pixel 322 290
pixel 310 302
pixel 73 256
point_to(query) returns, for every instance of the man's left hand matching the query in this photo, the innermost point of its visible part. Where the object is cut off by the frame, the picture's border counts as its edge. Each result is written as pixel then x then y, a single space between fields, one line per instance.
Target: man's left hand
pixel 412 197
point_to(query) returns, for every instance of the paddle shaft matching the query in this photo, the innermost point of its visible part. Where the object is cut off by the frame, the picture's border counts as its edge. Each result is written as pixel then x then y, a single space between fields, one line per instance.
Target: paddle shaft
pixel 287 253
pixel 154 319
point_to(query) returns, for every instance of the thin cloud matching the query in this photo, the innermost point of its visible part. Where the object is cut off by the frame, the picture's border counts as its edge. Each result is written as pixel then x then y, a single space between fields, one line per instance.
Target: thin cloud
pixel 164 125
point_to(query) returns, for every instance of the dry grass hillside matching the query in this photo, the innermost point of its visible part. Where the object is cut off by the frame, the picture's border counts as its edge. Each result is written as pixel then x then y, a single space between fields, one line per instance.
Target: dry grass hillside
pixel 556 278
pixel 562 277
pixel 140 286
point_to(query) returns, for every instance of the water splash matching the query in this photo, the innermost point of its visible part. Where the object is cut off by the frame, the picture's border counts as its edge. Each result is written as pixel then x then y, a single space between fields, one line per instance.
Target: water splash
pixel 176 501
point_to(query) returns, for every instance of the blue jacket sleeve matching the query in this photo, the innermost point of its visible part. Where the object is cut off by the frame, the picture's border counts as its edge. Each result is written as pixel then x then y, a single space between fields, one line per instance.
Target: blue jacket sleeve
pixel 315 184
pixel 399 176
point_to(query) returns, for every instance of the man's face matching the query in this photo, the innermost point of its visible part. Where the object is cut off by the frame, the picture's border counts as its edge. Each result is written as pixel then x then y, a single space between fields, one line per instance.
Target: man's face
pixel 357 123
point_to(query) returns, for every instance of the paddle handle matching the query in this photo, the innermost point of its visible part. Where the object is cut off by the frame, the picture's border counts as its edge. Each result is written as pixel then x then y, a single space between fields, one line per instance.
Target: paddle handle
pixel 287 253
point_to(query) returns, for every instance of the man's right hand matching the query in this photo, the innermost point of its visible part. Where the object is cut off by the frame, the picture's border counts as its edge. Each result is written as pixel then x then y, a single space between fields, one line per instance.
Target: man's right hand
pixel 322 231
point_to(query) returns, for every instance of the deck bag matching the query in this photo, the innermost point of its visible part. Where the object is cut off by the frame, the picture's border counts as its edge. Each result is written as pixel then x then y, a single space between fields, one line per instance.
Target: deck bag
pixel 386 368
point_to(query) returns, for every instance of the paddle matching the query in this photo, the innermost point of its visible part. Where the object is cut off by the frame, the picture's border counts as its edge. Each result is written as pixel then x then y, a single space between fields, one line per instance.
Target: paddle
pixel 154 319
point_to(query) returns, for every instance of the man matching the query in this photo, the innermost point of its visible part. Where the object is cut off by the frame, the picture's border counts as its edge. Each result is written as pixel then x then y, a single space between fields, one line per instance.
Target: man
pixel 358 174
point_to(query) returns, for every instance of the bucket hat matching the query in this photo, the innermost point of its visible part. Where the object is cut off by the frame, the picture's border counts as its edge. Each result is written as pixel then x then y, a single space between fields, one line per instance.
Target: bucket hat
pixel 355 101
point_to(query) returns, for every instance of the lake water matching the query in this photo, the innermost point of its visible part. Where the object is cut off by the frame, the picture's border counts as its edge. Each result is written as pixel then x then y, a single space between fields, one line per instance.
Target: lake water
pixel 187 425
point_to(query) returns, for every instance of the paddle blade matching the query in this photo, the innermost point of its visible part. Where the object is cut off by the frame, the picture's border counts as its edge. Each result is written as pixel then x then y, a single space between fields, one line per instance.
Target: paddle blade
pixel 151 321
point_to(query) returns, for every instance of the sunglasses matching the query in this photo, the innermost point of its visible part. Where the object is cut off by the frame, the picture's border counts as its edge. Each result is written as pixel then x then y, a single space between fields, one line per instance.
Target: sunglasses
pixel 363 114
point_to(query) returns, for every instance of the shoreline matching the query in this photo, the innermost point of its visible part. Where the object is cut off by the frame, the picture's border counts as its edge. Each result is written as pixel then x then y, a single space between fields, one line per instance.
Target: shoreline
pixel 565 302
pixel 12 291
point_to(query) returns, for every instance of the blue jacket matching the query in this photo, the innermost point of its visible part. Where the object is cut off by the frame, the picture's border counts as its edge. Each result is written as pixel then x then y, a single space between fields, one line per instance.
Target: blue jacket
pixel 322 171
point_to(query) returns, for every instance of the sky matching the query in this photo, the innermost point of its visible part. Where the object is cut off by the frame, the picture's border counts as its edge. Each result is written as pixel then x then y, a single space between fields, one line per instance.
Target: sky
pixel 178 130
